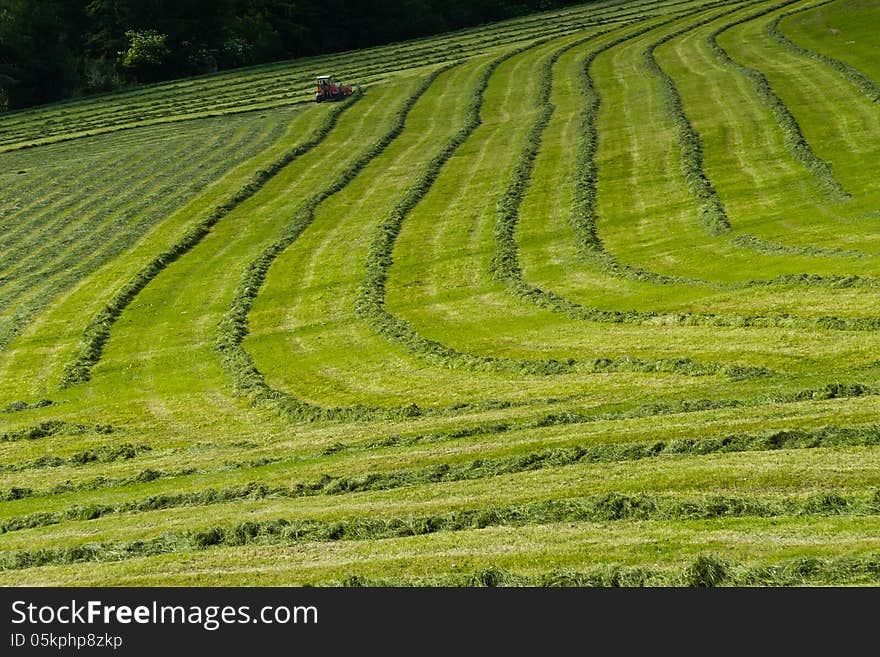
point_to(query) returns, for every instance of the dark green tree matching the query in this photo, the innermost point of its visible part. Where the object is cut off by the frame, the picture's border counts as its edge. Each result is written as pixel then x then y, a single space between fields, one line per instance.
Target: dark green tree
pixel 146 54
pixel 39 46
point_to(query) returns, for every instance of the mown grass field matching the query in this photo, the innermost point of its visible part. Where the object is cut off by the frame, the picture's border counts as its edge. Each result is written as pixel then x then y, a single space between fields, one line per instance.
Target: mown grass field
pixel 587 297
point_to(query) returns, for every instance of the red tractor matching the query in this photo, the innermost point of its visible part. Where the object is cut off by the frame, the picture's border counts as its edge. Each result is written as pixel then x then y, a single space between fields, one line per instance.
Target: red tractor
pixel 329 90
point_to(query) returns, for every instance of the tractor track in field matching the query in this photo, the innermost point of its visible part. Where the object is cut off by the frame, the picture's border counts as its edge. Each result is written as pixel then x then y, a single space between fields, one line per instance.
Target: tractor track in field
pixel 710 210
pixel 583 217
pixel 768 247
pixel 584 214
pixel 826 86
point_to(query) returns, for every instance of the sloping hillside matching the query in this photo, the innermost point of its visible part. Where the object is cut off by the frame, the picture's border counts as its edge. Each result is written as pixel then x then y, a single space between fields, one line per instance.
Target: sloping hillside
pixel 587 297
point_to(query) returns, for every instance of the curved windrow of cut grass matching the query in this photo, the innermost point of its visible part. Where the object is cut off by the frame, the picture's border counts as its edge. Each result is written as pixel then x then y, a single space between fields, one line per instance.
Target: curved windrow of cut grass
pixel 162 313
pixel 271 484
pixel 444 202
pixel 781 554
pixel 269 523
pixel 337 251
pixel 667 241
pixel 812 90
pixel 427 300
pixel 331 238
pixel 175 466
pixel 505 262
pixel 557 261
pixel 838 34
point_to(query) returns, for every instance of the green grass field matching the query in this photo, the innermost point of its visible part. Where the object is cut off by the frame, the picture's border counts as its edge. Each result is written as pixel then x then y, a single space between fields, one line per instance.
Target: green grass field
pixel 582 298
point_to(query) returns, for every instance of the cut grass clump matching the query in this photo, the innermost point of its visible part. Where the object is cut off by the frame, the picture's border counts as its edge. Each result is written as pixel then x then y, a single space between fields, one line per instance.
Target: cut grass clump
pixel 54 428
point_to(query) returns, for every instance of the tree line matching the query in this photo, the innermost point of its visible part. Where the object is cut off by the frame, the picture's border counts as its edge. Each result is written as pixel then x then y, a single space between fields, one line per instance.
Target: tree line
pixel 55 49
